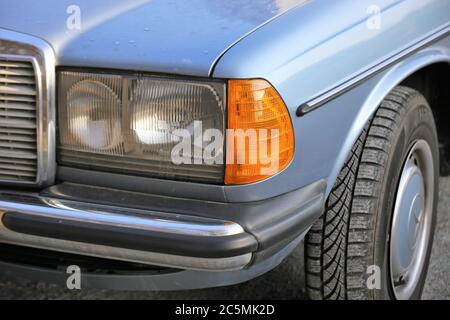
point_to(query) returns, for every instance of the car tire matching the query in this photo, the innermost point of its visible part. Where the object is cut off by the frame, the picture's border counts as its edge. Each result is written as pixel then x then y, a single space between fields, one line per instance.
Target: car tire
pixel 353 250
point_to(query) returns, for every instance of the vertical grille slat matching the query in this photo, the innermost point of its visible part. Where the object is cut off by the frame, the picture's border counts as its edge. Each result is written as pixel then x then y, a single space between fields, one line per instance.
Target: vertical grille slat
pixel 18 138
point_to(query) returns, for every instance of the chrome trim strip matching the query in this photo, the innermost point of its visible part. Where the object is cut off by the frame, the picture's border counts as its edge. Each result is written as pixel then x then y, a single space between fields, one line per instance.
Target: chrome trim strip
pixel 18 46
pixel 355 81
pixel 127 218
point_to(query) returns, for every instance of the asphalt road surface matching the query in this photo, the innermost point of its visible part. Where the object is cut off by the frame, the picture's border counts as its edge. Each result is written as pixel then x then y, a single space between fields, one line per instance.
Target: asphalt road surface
pixel 285 282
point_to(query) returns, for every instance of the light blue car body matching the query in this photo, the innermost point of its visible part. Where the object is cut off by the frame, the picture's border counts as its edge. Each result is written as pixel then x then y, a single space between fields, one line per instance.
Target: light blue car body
pixel 332 62
pixel 303 48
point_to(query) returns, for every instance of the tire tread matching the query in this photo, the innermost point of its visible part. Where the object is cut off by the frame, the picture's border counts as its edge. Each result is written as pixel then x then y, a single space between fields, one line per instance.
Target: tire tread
pixel 338 247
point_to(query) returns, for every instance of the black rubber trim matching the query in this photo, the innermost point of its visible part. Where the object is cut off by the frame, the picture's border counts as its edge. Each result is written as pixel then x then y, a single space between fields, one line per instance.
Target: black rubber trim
pixel 308 107
pixel 136 239
pixel 272 221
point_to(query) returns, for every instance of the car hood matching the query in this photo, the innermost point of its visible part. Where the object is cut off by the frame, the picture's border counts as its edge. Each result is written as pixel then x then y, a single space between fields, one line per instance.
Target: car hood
pixel 166 36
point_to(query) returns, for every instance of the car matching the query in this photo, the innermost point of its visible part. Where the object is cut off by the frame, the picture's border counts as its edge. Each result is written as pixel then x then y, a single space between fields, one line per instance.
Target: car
pixel 156 145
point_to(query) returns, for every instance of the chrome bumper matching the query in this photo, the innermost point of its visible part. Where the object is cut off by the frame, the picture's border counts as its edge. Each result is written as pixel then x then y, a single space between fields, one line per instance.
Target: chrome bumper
pixel 24 217
pixel 179 233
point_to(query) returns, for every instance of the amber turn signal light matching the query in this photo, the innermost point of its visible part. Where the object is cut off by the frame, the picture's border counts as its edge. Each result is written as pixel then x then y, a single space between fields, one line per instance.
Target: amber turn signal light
pixel 260 137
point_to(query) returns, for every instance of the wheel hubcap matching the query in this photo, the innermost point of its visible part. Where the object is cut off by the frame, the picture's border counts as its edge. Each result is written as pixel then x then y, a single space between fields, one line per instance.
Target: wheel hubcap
pixel 411 224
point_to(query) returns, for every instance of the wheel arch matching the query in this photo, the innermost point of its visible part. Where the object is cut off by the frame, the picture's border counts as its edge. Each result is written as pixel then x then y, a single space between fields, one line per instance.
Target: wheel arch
pixel 432 82
pixel 403 73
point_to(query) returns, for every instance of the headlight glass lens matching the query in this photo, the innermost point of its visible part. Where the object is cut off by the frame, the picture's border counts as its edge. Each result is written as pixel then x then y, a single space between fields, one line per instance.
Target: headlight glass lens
pixel 131 124
pixel 94 116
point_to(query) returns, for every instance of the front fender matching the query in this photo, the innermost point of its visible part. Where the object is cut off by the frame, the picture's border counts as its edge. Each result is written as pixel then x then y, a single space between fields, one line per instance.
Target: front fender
pixel 313 50
pixel 377 89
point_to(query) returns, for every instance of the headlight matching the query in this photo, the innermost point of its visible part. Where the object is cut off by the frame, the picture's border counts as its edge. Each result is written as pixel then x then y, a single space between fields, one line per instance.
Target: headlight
pixel 94 116
pixel 128 124
pixel 161 127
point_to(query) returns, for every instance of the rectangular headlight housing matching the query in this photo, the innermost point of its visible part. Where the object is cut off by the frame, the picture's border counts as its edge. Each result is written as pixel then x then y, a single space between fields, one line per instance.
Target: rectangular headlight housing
pixel 125 124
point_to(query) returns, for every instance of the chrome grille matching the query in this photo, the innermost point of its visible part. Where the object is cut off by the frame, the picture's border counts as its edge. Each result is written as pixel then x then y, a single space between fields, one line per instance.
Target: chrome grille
pixel 18 135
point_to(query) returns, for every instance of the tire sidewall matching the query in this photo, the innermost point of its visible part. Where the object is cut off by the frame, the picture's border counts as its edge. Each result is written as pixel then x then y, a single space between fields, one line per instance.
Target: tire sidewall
pixel 417 123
